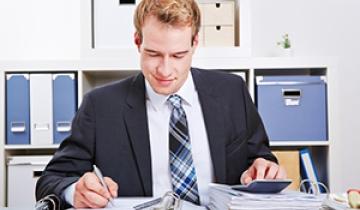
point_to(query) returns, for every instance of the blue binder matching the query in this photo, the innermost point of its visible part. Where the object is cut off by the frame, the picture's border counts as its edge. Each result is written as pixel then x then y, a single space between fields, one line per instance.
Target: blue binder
pixel 309 172
pixel 17 109
pixel 64 105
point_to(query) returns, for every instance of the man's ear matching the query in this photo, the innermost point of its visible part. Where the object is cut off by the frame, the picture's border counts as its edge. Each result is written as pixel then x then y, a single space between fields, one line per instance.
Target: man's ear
pixel 195 43
pixel 195 40
pixel 137 40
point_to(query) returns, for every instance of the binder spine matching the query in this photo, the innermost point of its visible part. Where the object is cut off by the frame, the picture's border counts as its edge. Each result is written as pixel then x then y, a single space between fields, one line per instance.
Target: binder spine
pixel 41 109
pixel 309 173
pixel 17 109
pixel 64 105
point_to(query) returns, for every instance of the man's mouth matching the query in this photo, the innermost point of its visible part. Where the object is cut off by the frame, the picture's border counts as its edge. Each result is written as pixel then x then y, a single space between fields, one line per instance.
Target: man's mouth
pixel 164 81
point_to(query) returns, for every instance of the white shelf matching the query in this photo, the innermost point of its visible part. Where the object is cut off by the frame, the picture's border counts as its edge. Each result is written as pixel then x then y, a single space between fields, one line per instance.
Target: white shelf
pixel 299 143
pixel 30 147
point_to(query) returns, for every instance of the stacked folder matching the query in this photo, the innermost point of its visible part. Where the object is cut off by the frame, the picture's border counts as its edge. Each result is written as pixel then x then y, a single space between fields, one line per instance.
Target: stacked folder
pixel 223 197
pixel 39 107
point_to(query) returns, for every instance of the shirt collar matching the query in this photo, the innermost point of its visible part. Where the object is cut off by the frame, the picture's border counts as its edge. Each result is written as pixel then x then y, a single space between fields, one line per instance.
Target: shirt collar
pixel 186 92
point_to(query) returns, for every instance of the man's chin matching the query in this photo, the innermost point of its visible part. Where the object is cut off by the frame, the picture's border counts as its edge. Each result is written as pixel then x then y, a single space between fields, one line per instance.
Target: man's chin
pixel 164 91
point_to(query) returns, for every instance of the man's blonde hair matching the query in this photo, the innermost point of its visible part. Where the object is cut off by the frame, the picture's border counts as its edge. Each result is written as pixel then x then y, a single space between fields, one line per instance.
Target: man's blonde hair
pixel 172 12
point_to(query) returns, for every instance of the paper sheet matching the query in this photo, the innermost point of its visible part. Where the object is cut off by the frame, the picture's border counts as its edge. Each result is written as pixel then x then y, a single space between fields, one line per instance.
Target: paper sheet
pixel 129 203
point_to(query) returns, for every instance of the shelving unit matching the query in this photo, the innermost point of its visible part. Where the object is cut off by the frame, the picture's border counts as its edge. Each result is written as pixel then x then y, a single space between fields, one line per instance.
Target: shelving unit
pixel 89 49
pixel 96 73
pixel 30 147
pixel 299 143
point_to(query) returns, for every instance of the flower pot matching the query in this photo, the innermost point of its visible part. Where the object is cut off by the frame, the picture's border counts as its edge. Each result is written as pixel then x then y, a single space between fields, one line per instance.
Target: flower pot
pixel 287 52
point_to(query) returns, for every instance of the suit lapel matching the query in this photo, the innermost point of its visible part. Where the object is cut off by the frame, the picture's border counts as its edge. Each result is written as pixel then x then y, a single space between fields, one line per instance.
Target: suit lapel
pixel 137 127
pixel 214 123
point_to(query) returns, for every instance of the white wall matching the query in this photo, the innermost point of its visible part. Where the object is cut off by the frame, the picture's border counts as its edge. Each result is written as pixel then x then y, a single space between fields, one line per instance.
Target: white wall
pixel 321 28
pixel 39 29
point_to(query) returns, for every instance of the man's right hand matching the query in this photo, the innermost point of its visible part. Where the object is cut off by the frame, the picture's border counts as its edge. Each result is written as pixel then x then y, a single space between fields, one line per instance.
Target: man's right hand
pixel 89 193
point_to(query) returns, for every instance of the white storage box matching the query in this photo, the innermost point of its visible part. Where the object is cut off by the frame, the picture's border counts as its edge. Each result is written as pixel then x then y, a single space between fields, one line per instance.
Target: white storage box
pixel 218 36
pixel 218 13
pixel 22 175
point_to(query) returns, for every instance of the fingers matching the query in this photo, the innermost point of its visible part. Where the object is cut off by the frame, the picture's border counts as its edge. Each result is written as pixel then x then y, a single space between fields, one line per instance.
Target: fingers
pixel 89 193
pixel 263 169
pixel 248 175
pixel 93 183
pixel 89 200
pixel 113 186
pixel 245 177
pixel 271 171
pixel 260 166
pixel 281 174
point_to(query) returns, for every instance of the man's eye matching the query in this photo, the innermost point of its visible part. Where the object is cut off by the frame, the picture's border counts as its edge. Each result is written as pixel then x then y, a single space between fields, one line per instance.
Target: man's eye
pixel 179 56
pixel 153 54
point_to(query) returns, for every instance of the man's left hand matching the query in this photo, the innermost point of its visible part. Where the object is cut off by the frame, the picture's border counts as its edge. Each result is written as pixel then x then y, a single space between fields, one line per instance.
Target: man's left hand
pixel 263 169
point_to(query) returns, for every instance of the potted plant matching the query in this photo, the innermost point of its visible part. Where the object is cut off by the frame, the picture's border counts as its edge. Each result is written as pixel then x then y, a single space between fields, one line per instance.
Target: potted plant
pixel 285 44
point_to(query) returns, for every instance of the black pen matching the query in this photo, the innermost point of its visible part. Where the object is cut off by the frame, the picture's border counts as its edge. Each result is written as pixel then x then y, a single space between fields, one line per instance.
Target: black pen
pixel 101 178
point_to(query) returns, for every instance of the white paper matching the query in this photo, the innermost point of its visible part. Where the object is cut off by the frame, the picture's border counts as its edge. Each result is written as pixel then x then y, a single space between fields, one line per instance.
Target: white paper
pixel 129 203
pixel 223 197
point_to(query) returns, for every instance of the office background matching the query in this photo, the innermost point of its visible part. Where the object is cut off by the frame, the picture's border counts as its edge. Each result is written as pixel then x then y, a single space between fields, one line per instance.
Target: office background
pixel 51 30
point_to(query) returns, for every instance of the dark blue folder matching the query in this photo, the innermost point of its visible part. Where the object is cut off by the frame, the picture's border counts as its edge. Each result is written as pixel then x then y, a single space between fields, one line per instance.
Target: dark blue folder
pixel 309 172
pixel 64 104
pixel 17 109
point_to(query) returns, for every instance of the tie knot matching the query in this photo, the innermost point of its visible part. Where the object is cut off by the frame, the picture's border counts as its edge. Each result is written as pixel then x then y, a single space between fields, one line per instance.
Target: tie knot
pixel 175 101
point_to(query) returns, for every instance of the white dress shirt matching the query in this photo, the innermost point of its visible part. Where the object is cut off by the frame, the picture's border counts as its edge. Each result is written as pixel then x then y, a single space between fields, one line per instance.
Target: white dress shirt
pixel 158 111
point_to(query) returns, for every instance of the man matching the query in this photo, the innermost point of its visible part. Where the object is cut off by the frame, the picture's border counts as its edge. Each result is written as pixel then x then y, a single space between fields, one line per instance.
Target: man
pixel 172 127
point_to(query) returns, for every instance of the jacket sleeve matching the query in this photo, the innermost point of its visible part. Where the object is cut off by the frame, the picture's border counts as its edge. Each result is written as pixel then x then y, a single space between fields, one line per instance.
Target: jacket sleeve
pixel 258 141
pixel 74 156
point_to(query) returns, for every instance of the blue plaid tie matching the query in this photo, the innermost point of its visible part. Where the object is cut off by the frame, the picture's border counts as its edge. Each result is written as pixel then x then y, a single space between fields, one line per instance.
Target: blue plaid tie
pixel 182 169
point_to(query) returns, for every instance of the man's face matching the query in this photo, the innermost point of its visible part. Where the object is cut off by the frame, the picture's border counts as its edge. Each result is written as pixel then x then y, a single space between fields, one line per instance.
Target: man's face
pixel 165 55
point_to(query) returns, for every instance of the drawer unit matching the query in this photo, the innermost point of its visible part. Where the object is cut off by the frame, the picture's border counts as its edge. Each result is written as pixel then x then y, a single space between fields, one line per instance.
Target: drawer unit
pixel 23 173
pixel 218 28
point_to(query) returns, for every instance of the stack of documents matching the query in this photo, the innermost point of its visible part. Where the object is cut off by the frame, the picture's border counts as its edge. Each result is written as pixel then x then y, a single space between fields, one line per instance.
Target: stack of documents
pixel 223 197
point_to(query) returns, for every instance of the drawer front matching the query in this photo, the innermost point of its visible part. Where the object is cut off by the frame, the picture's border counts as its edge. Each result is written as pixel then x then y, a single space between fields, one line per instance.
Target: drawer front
pixel 217 13
pixel 218 36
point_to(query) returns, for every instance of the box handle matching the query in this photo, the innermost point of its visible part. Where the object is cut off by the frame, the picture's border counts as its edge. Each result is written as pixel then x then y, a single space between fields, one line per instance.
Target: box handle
pixel 41 126
pixel 64 126
pixel 291 97
pixel 18 127
pixel 37 173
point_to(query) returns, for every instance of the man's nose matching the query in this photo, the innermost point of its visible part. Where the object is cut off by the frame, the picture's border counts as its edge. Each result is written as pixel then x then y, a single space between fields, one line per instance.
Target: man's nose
pixel 164 68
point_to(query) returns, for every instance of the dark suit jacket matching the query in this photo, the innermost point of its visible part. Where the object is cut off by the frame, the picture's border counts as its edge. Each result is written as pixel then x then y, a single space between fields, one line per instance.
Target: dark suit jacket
pixel 110 130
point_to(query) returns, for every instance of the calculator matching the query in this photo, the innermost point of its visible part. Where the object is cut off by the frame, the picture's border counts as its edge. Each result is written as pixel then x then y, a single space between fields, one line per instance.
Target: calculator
pixel 264 186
